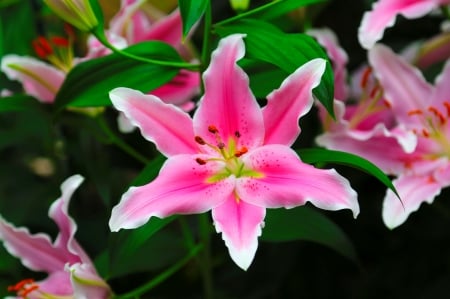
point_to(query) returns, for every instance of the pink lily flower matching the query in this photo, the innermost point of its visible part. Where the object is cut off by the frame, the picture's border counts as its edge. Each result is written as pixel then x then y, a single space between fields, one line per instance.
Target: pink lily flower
pixel 71 273
pixel 365 126
pixel 383 15
pixel 423 109
pixel 232 157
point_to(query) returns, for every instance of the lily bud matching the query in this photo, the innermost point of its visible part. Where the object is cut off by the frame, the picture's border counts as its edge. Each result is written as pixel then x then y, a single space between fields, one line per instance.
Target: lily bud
pixel 240 5
pixel 79 13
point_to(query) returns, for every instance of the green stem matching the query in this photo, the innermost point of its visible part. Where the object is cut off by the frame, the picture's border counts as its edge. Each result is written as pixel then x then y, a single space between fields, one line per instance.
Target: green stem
pixel 206 265
pixel 445 11
pixel 118 142
pixel 161 277
pixel 100 35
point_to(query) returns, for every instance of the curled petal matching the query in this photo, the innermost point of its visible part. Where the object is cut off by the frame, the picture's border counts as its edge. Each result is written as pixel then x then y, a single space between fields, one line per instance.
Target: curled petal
pixel 383 15
pixel 35 251
pixel 413 190
pixel 67 226
pixel 228 102
pixel 182 187
pixel 166 125
pixel 285 181
pixel 240 224
pixel 39 79
pixel 290 102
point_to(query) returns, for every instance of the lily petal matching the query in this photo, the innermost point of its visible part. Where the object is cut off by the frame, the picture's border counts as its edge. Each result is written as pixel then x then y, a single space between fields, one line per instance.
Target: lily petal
pixel 180 90
pixel 228 102
pixel 166 125
pixel 39 79
pixel 290 102
pixel 86 282
pixel 404 86
pixel 413 190
pixel 168 29
pixel 181 187
pixel 56 283
pixel 36 252
pixel 383 15
pixel 288 182
pixel 442 88
pixel 240 224
pixel 67 227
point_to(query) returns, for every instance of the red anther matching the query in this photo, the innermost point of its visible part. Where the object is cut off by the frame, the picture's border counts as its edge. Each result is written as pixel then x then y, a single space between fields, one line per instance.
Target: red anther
pixel 437 113
pixel 240 152
pixel 414 131
pixel 213 129
pixel 425 133
pixel 200 161
pixel 200 140
pixel 237 134
pixel 387 104
pixel 415 112
pixel 221 145
pixel 24 293
pixel 20 285
pixel 374 91
pixel 447 106
pixel 42 47
pixel 365 77
pixel 60 41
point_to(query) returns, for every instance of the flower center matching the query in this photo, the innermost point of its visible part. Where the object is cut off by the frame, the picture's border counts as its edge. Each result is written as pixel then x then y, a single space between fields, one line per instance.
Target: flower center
pixel 371 100
pixel 229 153
pixel 24 287
pixel 434 126
pixel 57 50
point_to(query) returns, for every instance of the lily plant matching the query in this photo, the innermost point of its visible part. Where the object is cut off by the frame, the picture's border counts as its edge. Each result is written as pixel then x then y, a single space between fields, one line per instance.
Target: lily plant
pixel 232 157
pixel 71 273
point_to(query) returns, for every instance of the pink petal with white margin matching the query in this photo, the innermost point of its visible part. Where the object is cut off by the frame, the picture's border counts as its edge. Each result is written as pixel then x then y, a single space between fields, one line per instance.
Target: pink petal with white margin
pixel 240 224
pixel 413 190
pixel 35 251
pixel 67 226
pixel 290 102
pixel 339 58
pixel 180 188
pixel 383 15
pixel 38 79
pixel 228 102
pixel 288 182
pixel 166 125
pixel 404 86
pixel 86 282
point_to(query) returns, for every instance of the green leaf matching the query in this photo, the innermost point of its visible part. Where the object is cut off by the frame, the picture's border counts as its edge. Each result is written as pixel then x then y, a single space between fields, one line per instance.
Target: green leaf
pixel 17 103
pixel 191 12
pixel 320 155
pixel 271 10
pixel 305 223
pixel 267 43
pixel 89 83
